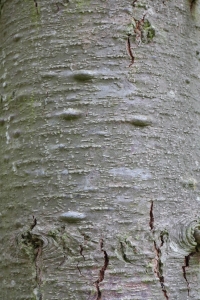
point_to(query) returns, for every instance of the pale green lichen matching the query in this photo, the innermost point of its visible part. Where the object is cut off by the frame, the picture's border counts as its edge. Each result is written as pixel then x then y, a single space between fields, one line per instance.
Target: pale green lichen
pixel 142 5
pixel 54 233
pixel 130 28
pixel 148 32
pixel 27 248
pixel 189 182
pixel 83 3
pixel 33 10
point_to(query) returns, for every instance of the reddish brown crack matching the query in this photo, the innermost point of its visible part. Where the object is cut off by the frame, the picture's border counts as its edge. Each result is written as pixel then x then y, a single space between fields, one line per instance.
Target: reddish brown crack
pixel 139 23
pixel 130 53
pixel 186 265
pixel 101 244
pixel 102 271
pixel 98 291
pixel 138 29
pixel 159 269
pixel 106 260
pixel 151 222
pixel 165 294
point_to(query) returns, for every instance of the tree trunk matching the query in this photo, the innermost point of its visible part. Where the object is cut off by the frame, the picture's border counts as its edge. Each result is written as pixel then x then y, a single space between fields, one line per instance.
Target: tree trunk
pixel 99 156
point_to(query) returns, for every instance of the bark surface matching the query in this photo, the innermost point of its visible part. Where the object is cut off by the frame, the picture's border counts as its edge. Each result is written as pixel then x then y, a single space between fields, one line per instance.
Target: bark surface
pixel 99 155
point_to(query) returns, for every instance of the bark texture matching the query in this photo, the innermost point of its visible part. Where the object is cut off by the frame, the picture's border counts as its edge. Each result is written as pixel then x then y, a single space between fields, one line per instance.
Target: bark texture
pixel 99 156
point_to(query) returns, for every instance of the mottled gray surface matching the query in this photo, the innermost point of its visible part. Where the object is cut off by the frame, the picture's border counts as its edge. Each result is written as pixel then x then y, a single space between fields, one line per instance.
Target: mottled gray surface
pixel 99 161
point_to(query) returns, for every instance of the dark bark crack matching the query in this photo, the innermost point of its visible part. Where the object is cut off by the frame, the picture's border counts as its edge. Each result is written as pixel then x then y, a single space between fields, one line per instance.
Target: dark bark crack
pixel 186 265
pixel 139 28
pixel 34 246
pixel 81 251
pixel 159 265
pixel 133 4
pixel 79 270
pixel 151 222
pixel 159 268
pixel 102 271
pixel 34 223
pixel 192 4
pixel 130 53
pixel 36 6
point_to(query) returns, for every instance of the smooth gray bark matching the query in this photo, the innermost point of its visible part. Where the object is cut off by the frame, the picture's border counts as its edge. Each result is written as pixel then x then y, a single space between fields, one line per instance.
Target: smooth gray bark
pixel 99 156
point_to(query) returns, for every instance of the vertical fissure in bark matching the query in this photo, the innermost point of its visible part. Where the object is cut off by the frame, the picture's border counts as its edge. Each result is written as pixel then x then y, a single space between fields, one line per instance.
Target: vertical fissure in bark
pixel 159 269
pixel 130 53
pixel 159 265
pixel 102 271
pixel 81 251
pixel 33 242
pixel 79 270
pixel 186 265
pixel 36 6
pixel 138 29
pixel 34 223
pixel 151 222
pixel 192 3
